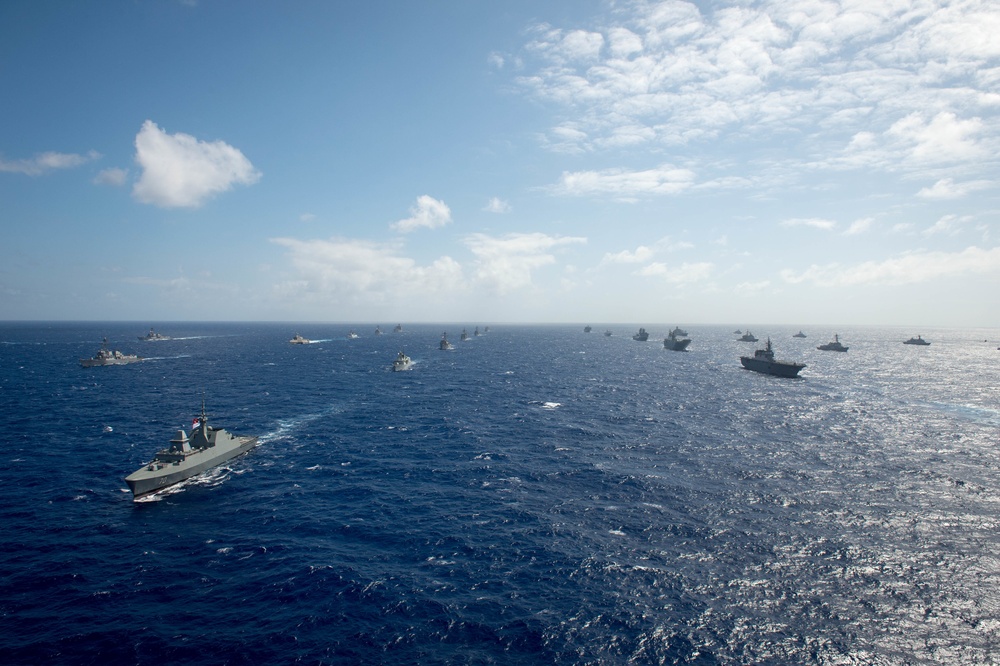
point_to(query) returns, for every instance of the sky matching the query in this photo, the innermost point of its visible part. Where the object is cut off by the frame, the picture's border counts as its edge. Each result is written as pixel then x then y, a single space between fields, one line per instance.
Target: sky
pixel 714 162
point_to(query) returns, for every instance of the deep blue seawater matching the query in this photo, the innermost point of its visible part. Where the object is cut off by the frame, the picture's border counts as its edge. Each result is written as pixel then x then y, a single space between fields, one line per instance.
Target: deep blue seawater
pixel 536 496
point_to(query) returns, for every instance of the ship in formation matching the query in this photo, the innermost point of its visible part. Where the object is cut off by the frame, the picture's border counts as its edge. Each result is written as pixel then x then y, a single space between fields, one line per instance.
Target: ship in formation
pixel 402 362
pixel 748 337
pixel 641 336
pixel 763 361
pixel 917 341
pixel 675 343
pixel 205 448
pixel 834 345
pixel 153 336
pixel 299 340
pixel 445 345
pixel 105 356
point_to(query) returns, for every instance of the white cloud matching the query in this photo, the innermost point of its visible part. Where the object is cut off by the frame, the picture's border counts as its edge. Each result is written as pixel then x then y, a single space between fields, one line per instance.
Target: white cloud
pixel 45 162
pixel 946 188
pixel 949 224
pixel 945 138
pixel 910 268
pixel 814 74
pixel 497 205
pixel 427 213
pixel 814 222
pixel 860 226
pixel 307 217
pixel 642 254
pixel 113 176
pixel 686 273
pixel 180 171
pixel 624 184
pixel 506 264
pixel 363 271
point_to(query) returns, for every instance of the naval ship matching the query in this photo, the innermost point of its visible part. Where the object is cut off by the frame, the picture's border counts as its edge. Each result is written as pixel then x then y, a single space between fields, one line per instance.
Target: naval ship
pixel 763 361
pixel 207 447
pixel 105 356
pixel 153 336
pixel 674 343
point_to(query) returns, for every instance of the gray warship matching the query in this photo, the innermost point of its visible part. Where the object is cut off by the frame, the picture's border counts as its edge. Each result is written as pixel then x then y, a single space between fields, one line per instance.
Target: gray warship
pixel 105 356
pixel 445 345
pixel 673 343
pixel 207 447
pixel 402 362
pixel 641 336
pixel 153 336
pixel 836 345
pixel 916 341
pixel 763 361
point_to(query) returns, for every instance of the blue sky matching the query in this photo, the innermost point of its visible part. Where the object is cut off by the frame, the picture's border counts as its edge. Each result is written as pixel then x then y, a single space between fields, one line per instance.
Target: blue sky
pixel 801 163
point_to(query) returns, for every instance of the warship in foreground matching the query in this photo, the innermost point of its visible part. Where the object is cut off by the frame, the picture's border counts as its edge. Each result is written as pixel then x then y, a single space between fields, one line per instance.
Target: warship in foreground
pixel 207 447
pixel 105 356
pixel 402 362
pixel 763 361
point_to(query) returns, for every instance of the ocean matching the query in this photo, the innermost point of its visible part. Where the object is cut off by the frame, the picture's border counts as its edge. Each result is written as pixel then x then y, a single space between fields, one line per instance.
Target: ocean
pixel 538 495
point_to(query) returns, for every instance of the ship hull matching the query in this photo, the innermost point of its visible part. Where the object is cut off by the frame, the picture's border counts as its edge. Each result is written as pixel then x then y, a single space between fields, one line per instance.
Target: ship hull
pixel 776 368
pixel 145 482
pixel 676 345
pixel 95 362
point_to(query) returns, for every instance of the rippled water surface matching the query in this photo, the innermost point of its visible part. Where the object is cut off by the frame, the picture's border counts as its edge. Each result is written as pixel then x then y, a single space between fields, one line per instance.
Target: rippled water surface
pixel 536 495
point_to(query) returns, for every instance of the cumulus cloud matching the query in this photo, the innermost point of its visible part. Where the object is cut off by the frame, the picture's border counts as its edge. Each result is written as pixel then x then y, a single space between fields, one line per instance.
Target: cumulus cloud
pixel 624 184
pixel 362 270
pixel 505 264
pixel 427 213
pixel 910 268
pixel 641 254
pixel 686 273
pixel 180 171
pixel 497 205
pixel 46 162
